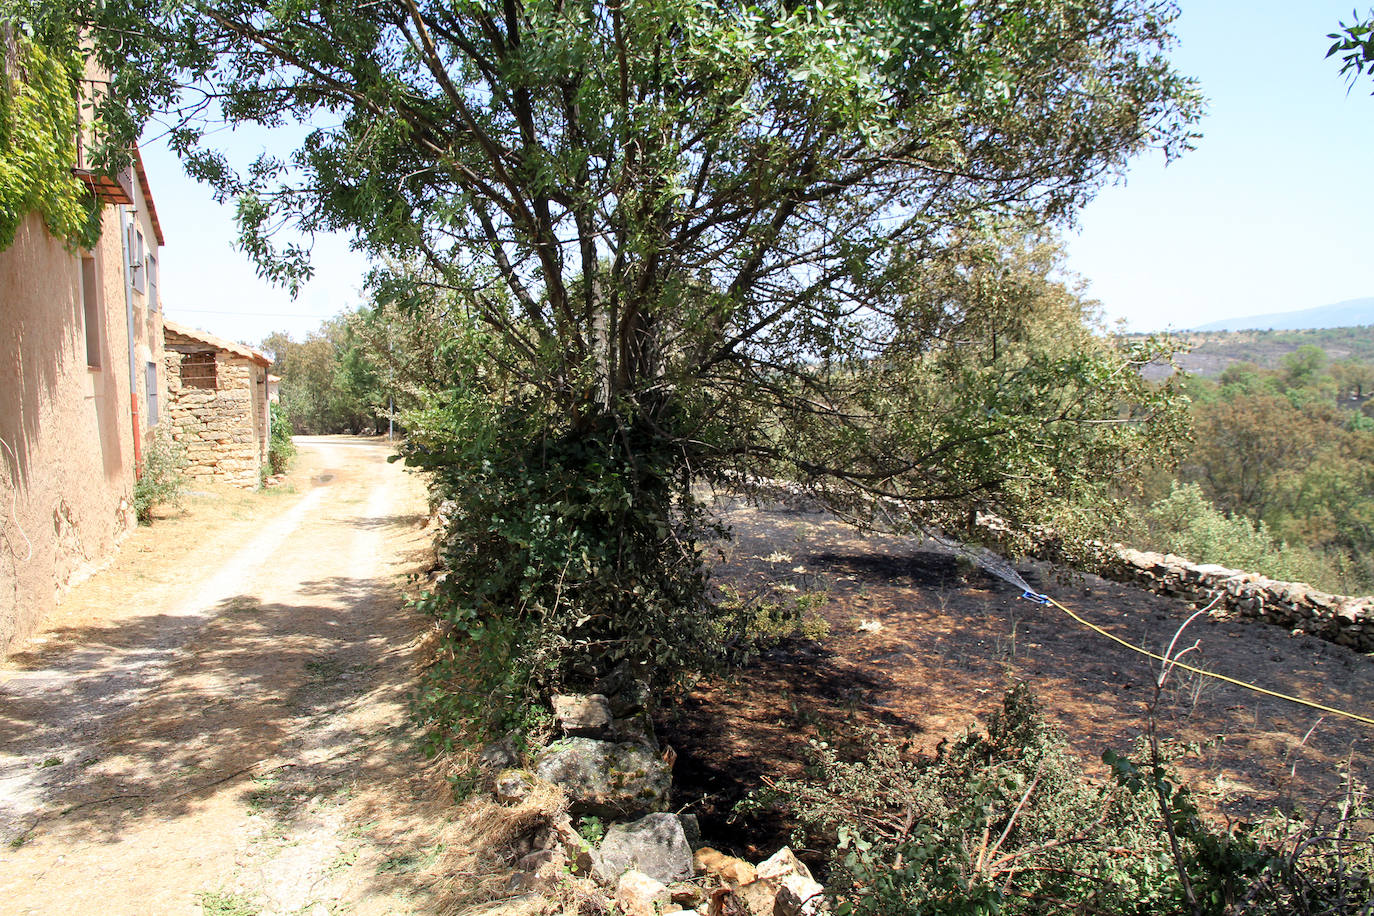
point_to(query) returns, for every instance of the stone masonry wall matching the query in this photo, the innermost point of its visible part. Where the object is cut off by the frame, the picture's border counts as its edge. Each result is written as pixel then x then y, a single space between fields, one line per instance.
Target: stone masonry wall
pixel 217 426
pixel 1342 619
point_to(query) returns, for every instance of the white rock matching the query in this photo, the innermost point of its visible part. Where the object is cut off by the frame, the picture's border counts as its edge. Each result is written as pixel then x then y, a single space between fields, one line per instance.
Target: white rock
pixel 799 896
pixel 783 862
pixel 639 895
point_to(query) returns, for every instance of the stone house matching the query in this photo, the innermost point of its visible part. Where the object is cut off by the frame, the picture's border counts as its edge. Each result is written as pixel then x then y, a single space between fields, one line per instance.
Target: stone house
pixel 82 391
pixel 217 405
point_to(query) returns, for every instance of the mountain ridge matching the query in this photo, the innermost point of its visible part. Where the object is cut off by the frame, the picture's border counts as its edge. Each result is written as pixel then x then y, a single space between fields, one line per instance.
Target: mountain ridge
pixel 1344 314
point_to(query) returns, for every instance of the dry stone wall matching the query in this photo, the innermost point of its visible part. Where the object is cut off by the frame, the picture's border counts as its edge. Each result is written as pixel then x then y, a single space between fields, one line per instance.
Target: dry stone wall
pixel 1341 619
pixel 217 426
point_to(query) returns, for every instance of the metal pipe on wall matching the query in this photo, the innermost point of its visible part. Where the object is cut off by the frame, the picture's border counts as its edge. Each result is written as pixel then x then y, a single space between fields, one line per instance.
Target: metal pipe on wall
pixel 126 254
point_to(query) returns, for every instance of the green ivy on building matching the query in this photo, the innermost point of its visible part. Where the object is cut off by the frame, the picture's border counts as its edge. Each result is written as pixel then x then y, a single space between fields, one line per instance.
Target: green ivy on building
pixel 39 99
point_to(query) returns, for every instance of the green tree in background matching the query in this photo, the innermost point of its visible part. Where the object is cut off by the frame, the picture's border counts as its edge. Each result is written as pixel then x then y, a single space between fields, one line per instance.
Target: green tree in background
pixel 666 216
pixel 1354 379
pixel 1284 459
pixel 329 384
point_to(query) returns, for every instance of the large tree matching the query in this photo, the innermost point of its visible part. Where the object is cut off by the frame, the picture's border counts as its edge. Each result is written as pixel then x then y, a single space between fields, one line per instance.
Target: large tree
pixel 655 203
pixel 691 236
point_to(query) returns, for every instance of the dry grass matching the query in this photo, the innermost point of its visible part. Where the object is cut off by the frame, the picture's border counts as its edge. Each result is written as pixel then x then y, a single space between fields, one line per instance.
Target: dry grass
pixel 482 843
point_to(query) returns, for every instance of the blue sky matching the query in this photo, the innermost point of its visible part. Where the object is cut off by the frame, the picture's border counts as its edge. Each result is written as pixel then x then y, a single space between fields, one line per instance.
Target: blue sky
pixel 1269 213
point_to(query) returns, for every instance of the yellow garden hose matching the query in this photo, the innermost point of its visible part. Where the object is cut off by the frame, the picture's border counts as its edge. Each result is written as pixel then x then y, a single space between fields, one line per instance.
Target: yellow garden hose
pixel 1174 663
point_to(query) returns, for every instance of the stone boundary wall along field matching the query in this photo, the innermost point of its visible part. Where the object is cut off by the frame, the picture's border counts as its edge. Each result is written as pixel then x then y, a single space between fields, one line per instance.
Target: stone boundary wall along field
pixel 1341 619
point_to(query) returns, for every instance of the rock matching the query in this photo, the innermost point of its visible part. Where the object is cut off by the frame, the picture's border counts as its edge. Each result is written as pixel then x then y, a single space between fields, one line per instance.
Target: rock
pixel 636 728
pixel 538 873
pixel 573 844
pixel 637 894
pixel 799 896
pixel 758 896
pixel 627 692
pixel 512 785
pixel 728 869
pixel 498 756
pixel 691 828
pixel 687 895
pixel 654 845
pixel 585 715
pixel 606 779
pixel 783 862
pixel 724 902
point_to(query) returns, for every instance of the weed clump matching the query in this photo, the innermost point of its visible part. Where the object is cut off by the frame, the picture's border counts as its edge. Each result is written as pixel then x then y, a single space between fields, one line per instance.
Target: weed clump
pixel 160 481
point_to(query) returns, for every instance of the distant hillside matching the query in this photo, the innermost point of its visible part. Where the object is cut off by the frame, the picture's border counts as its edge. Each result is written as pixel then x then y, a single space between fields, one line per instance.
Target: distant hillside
pixel 1347 314
pixel 1213 351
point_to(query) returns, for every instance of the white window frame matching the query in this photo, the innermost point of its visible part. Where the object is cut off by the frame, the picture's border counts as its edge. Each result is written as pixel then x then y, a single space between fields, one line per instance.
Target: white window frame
pixel 138 271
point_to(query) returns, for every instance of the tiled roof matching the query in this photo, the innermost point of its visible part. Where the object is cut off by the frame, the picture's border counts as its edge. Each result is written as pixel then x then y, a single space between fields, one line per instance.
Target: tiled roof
pixel 218 343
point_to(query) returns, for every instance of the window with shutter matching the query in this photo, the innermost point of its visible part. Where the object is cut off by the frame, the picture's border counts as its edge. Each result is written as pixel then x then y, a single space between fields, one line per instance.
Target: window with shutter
pixel 152 394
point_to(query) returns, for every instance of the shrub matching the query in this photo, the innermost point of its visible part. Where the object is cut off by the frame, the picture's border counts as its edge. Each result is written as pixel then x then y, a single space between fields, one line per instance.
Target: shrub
pixel 280 448
pixel 566 556
pixel 1187 523
pixel 1004 821
pixel 160 481
pixel 998 822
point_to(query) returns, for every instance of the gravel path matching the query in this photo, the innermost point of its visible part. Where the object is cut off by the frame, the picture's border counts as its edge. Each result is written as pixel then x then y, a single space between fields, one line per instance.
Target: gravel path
pixel 228 734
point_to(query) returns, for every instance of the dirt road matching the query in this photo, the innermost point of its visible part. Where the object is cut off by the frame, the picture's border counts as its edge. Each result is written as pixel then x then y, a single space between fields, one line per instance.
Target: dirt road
pixel 216 724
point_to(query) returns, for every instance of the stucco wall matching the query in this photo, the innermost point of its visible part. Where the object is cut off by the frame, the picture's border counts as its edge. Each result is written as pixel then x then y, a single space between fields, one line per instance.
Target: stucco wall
pixel 221 428
pixel 67 466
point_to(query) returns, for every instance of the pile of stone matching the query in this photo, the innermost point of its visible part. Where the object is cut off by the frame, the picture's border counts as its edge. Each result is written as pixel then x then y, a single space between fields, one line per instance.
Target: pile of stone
pixel 650 861
pixel 1340 619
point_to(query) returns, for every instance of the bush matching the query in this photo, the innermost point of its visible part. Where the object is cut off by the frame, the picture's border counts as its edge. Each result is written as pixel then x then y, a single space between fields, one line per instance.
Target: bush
pixel 1005 822
pixel 280 448
pixel 567 556
pixel 1187 523
pixel 160 481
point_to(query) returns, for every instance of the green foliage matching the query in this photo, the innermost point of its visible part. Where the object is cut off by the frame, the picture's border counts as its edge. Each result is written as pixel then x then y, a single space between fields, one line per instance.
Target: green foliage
pixel 328 382
pixel 1277 866
pixel 766 621
pixel 40 93
pixel 1288 456
pixel 160 481
pixel 1354 45
pixel 679 240
pixel 713 221
pixel 592 830
pixel 997 822
pixel 1005 822
pixel 280 449
pixel 564 557
pixel 1186 523
pixel 1000 393
pixel 227 903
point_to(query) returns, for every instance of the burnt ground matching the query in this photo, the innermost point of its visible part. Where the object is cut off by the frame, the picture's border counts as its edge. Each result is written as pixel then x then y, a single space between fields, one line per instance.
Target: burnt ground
pixel 952 640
